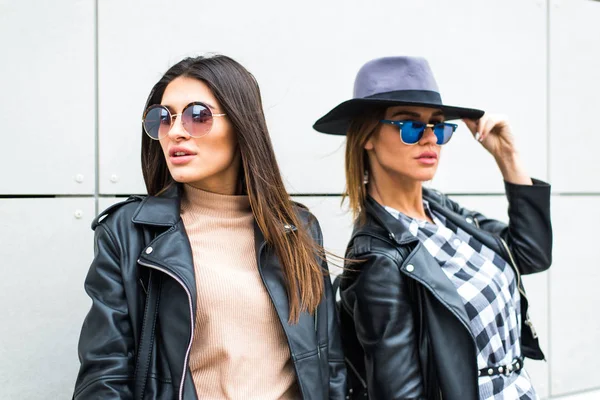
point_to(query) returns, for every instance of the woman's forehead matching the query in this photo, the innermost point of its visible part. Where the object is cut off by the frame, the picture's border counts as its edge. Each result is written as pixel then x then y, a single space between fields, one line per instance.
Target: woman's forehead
pixel 416 111
pixel 183 90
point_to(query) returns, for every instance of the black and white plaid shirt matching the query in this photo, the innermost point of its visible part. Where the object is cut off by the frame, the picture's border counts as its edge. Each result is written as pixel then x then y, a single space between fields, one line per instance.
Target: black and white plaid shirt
pixel 488 288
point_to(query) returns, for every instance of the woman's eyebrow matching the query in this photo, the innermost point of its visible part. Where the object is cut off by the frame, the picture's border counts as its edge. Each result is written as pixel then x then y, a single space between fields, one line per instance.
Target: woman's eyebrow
pixel 168 107
pixel 404 112
pixel 172 110
pixel 209 105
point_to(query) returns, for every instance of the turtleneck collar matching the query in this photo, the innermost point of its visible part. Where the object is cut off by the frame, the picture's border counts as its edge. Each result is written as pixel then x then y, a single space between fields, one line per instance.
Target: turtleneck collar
pixel 213 203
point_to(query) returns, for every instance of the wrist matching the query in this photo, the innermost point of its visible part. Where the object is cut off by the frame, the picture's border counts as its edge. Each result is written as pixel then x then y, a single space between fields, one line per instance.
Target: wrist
pixel 508 159
pixel 512 169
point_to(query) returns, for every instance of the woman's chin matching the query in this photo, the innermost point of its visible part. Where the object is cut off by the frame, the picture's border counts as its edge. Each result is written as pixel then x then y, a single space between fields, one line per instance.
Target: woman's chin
pixel 425 176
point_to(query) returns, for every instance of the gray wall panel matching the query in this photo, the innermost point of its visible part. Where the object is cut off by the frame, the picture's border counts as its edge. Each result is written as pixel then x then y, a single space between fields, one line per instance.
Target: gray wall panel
pixel 575 278
pixel 47 250
pixel 574 101
pixel 48 116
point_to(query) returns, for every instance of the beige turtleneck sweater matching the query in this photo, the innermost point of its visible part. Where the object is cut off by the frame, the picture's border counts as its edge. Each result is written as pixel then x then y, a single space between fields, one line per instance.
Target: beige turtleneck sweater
pixel 239 350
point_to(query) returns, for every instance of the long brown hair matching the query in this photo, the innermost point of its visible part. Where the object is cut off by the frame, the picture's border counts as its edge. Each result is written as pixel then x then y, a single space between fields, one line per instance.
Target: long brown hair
pixel 238 93
pixel 360 130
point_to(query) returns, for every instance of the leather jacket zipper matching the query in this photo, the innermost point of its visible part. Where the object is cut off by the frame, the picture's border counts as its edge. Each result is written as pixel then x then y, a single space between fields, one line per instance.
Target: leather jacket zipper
pixel 527 320
pixel 511 259
pixel 514 265
pixel 187 353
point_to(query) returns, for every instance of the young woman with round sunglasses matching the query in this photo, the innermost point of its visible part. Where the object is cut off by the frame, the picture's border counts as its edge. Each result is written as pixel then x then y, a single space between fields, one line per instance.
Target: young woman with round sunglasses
pixel 435 308
pixel 214 285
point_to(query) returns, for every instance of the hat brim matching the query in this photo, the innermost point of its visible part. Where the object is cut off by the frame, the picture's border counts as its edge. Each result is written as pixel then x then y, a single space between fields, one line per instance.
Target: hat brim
pixel 337 121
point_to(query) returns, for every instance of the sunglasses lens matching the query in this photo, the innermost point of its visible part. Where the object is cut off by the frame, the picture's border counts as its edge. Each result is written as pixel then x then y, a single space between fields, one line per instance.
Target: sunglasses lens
pixel 157 122
pixel 443 132
pixel 197 119
pixel 411 132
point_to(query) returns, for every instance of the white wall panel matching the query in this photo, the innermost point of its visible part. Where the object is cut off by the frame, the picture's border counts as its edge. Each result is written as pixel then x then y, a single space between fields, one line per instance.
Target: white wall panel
pixel 305 57
pixel 536 287
pixel 575 278
pixel 46 253
pixel 105 202
pixel 574 100
pixel 47 102
pixel 588 395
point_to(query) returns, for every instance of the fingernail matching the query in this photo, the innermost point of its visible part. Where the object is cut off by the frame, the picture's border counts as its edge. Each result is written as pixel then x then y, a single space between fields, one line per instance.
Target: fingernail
pixel 477 136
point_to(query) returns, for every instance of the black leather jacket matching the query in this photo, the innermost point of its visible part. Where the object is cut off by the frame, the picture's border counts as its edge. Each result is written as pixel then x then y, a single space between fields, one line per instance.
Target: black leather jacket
pixel 147 232
pixel 411 322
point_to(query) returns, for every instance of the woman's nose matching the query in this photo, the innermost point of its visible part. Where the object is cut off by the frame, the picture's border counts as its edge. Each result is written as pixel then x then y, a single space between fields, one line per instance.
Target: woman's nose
pixel 177 131
pixel 428 136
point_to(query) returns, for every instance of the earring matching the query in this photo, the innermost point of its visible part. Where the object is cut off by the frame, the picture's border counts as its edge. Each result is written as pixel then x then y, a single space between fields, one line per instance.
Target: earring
pixel 366 177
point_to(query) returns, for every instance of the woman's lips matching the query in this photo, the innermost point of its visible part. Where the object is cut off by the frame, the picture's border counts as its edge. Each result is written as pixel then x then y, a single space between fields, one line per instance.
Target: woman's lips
pixel 179 160
pixel 180 155
pixel 427 158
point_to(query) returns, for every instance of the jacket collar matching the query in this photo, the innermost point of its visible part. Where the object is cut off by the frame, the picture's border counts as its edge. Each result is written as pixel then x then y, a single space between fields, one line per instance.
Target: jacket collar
pixel 400 234
pixel 164 210
pixel 160 210
pixel 396 231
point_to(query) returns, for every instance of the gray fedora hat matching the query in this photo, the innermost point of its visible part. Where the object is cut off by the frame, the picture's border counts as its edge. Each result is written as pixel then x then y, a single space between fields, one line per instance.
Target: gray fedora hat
pixel 391 81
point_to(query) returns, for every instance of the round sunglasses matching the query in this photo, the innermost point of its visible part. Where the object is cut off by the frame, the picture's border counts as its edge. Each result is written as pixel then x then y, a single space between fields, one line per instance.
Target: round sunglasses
pixel 412 131
pixel 196 119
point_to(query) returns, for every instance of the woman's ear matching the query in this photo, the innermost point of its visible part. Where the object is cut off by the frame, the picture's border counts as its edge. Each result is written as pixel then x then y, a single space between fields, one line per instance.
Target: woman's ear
pixel 372 138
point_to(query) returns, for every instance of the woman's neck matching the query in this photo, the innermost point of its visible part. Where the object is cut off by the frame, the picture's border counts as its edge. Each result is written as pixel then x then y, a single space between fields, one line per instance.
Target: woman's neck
pixel 398 192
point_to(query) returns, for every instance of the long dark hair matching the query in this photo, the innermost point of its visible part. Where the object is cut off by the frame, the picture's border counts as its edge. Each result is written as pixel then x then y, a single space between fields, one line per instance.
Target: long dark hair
pixel 238 93
pixel 362 127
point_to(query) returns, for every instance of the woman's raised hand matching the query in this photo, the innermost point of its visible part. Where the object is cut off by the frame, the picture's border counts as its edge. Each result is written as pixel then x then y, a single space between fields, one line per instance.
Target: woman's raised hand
pixel 495 135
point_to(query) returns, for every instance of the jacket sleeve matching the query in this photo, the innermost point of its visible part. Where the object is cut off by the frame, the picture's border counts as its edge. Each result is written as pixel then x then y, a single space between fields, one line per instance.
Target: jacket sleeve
pixel 106 344
pixel 529 231
pixel 337 365
pixel 383 320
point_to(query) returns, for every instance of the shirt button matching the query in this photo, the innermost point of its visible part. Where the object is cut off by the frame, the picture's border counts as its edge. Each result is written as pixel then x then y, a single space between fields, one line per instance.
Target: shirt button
pixel 410 268
pixel 149 250
pixel 490 371
pixel 457 242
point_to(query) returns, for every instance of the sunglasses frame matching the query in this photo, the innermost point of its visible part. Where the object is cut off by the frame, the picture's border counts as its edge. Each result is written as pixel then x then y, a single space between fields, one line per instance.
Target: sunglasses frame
pixel 399 124
pixel 174 117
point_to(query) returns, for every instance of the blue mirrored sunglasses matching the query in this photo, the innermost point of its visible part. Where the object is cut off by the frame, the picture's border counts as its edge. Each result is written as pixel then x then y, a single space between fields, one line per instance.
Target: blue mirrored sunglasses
pixel 412 131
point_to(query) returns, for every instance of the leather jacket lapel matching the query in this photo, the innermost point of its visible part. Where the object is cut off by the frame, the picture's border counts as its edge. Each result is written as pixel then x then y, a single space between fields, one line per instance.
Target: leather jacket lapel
pixel 301 337
pixel 427 271
pixel 423 268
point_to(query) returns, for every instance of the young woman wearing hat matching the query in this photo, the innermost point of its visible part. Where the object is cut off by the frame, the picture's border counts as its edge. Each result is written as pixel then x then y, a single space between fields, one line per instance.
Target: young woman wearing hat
pixel 436 306
pixel 214 286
